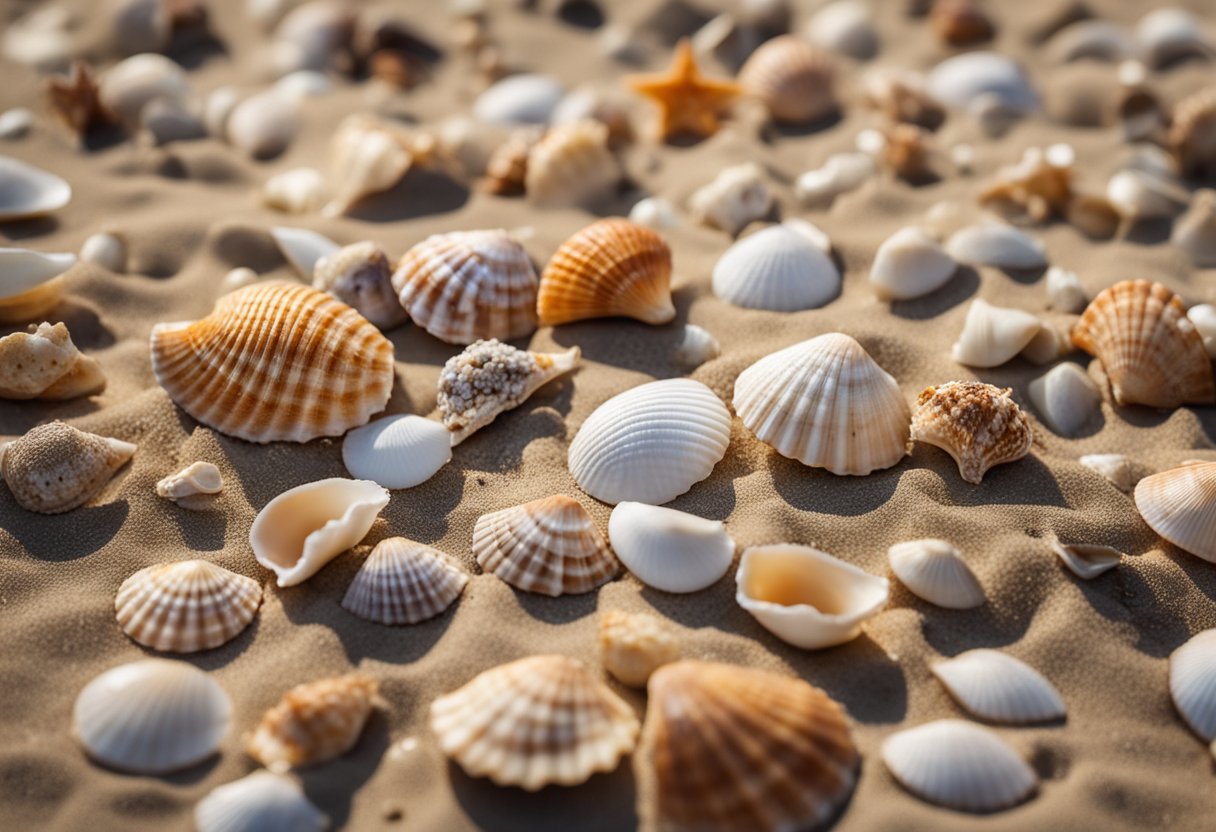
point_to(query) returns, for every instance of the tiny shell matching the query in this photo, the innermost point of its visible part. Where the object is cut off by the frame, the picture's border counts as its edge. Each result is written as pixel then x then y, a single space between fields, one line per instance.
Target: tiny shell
pixel 238 278
pixel 839 174
pixel 1066 398
pixel 368 156
pixel 935 571
pixel 736 197
pixel 844 26
pixel 359 275
pixel 403 582
pixel 1193 683
pixel 1180 505
pixel 571 165
pixel 519 99
pixel 1195 231
pixel 1064 290
pixel 27 192
pixel 668 549
pixel 217 108
pixel 1192 135
pixel 1167 36
pixel 999 688
pixel 792 78
pixel 959 80
pixel 107 250
pixel 260 802
pixel 1086 560
pixel 295 191
pixel 910 264
pixel 978 424
pixel 16 123
pixel 130 85
pixel 1117 468
pixel 779 268
pixel 397 451
pixel 654 212
pixel 303 248
pixel 697 345
pixel 263 125
pixel 996 244
pixel 314 723
pixel 55 467
pixel 1203 316
pixel 197 478
pixel 633 646
pixel 43 363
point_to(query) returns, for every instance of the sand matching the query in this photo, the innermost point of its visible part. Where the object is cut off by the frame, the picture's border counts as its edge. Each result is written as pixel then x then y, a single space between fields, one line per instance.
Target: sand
pixel 1123 759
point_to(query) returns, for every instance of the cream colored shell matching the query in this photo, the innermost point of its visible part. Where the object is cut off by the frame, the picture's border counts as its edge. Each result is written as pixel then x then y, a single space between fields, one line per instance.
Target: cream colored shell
pixel 43 363
pixel 55 467
pixel 999 688
pixel 792 78
pixel 314 722
pixel 635 645
pixel 571 165
pixel 1180 505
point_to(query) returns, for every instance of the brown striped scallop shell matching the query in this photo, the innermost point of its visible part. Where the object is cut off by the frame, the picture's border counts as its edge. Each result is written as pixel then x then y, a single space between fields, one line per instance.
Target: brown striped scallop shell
pixel 792 78
pixel 1192 135
pixel 403 582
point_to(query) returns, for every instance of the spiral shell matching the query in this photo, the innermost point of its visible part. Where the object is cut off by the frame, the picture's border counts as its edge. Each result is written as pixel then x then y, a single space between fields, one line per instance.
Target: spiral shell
pixel 792 78
pixel 314 723
pixel 978 424
pixel 403 582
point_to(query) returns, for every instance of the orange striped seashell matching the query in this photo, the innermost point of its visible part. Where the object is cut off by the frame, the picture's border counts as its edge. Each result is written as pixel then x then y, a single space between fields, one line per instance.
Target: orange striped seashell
pixel 792 78
pixel 612 267
pixel 276 361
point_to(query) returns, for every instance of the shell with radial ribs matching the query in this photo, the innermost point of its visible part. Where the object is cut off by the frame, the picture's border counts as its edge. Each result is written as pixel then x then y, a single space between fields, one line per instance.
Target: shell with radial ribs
pixel 276 361
pixel 781 268
pixel 360 276
pixel 465 286
pixel 1150 350
pixel 935 571
pixel 403 582
pixel 1180 505
pixel 534 722
pixel 55 467
pixel 1193 683
pixel 571 165
pixel 792 78
pixel 978 424
pixel 314 722
pixel 43 363
pixel 999 688
pixel 635 645
pixel 260 802
pixel 739 748
pixel 369 156
pixel 613 267
pixel 1192 136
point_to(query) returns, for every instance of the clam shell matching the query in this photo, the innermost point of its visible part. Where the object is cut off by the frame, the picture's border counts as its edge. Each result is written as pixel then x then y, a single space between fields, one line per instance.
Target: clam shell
pixel 27 192
pixel 260 802
pixel 43 363
pixel 368 157
pixel 187 606
pixel 999 688
pixel 996 244
pixel 1193 683
pixel 306 527
pixel 792 78
pixel 16 123
pixel 359 275
pixel 403 582
pixel 519 99
pixel 31 283
pixel 697 345
pixel 1195 231
pixel 844 26
pixel 910 264
pixel 106 250
pixel 197 478
pixel 1117 468
pixel 654 212
pixel 314 723
pixel 978 424
pixel 826 403
pixel 303 249
pixel 571 165
pixel 263 125
pixel 55 467
pixel 633 646
pixel 1203 317
pixel 1086 560
pixel 1180 505
pixel 397 451
pixel 151 717
pixel 668 549
pixel 534 722
pixel 130 85
pixel 1166 36
pixel 736 197
pixel 779 269
pixel 651 443
pixel 807 597
pixel 935 571
pixel 839 174
pixel 1064 290
pixel 1065 398
pixel 295 191
pixel 1192 135
pixel 958 81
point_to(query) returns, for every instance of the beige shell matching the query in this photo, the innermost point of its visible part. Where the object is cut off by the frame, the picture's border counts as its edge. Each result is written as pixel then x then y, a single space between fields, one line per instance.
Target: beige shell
pixel 550 546
pixel 31 282
pixel 507 167
pixel 1192 135
pixel 199 479
pixel 1180 505
pixel 360 276
pixel 1150 350
pixel 1037 188
pixel 468 285
pixel 314 722
pixel 792 78
pixel 43 363
pixel 635 645
pixel 613 267
pixel 534 722
pixel 978 424
pixel 187 606
pixel 739 748
pixel 1195 231
pixel 900 95
pixel 368 156
pixel 55 467
pixel 572 165
pixel 403 582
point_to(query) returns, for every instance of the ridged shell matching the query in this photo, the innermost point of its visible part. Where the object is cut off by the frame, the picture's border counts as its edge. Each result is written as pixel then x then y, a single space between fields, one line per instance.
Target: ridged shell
pixel 397 451
pixel 826 403
pixel 359 275
pixel 55 467
pixel 27 192
pixel 276 362
pixel 935 571
pixel 187 606
pixel 1086 560
pixel 314 722
pixel 1065 397
pixel 978 424
pixel 403 582
pixel 996 244
pixel 613 267
pixel 1192 135
pixel 634 645
pixel 31 283
pixel 151 717
pixel 779 268
pixel 910 264
pixel 260 802
pixel 999 688
pixel 550 546
pixel 43 363
pixel 468 285
pixel 535 722
pixel 1193 683
pixel 792 78
pixel 993 335
pixel 739 748
pixel 1180 505
pixel 571 165
pixel 1148 347
pixel 668 549
pixel 650 444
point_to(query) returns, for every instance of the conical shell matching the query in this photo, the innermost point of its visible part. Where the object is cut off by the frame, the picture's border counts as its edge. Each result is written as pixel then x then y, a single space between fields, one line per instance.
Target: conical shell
pixel 27 192
pixel 1086 560
pixel 1180 505
pixel 403 582
pixel 935 571
pixel 535 722
pixel 151 717
pixel 468 285
pixel 997 687
pixel 635 645
pixel 572 165
pixel 397 451
pixel 359 275
pixel 1148 347
pixel 44 364
pixel 613 267
pixel 668 549
pixel 738 748
pixel 31 283
pixel 792 78
pixel 368 156
pixel 550 546
pixel 55 467
pixel 1193 683
pixel 993 335
pixel 996 244
pixel 276 362
pixel 826 403
pixel 187 606
pixel 979 425
pixel 1192 135
pixel 260 802
pixel 650 444
pixel 779 268
pixel 314 722
pixel 909 265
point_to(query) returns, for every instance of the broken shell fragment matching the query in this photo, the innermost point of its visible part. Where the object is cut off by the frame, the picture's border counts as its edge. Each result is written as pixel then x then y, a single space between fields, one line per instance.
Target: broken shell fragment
pixel 992 335
pixel 999 688
pixel 519 99
pixel 936 572
pixel 43 363
pixel 264 124
pixel 979 425
pixel 359 275
pixel 130 85
pixel 697 345
pixel 397 451
pixel 55 467
pixel 1180 505
pixel 654 212
pixel 1066 398
pixel 839 174
pixel 27 192
pixel 403 582
pixel 736 197
pixel 1064 291
pixel 1086 560
pixel 314 723
pixel 1037 188
pixel 195 479
pixel 1203 316
pixel 634 645
pixel 846 27
pixel 668 549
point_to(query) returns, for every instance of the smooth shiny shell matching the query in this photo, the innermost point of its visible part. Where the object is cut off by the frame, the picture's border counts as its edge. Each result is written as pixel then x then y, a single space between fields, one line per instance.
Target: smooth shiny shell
pixel 303 248
pixel 634 645
pixel 670 550
pixel 55 467
pixel 571 165
pixel 1193 683
pixel 359 275
pixel 935 571
pixel 260 802
pixel 910 264
pixel 519 99
pixel 999 688
pixel 958 81
pixel 27 191
pixel 397 451
pixel 978 424
pixel 130 85
pixel 1180 505
pixel 792 78
pixel 993 335
pixel 1086 560
pixel 314 722
pixel 1065 397
pixel 998 245
pixel 779 268
pixel 403 582
pixel 31 283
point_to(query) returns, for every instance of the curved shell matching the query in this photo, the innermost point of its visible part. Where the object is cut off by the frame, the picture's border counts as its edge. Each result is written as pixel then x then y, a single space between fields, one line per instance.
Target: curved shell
pixel 519 99
pixel 276 362
pixel 31 283
pixel 910 264
pixel 697 345
pixel 958 81
pixel 826 403
pixel 978 424
pixel 571 165
pixel 295 191
pixel 359 275
pixel 1086 560
pixel 198 478
pixel 131 84
pixel 43 363
pixel 1101 40
pixel 303 248
pixel 1193 683
pixel 999 688
pixel 633 646
pixel 613 267
pixel 935 571
pixel 1195 231
pixel 403 582
pixel 845 26
pixel 534 722
pixel 668 549
pixel 735 197
pixel 1180 505
pixel 187 606
pixel 993 335
pixel 367 156
pixel 397 451
pixel 779 268
pixel 650 444
pixel 961 22
pixel 27 192
pixel 1168 35
pixel 1065 398
pixel 259 802
pixel 264 124
pixel 792 78
pixel 1192 135
pixel 996 244
pixel 1120 470
pixel 314 722
pixel 55 467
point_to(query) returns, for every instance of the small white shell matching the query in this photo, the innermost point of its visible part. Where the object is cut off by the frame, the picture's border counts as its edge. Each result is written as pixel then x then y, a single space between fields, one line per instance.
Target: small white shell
pixel 166 120
pixel 993 335
pixel 1193 683
pixel 935 571
pixel 1195 231
pixel 958 81
pixel 30 283
pixel 910 264
pixel 27 191
pixel 996 244
pixel 263 125
pixel 1064 291
pixel 668 549
pixel 1115 467
pixel 295 191
pixel 397 451
pixel 1065 398
pixel 197 478
pixel 839 174
pixel 302 248
pixel 260 802
pixel 999 688
pixel 304 83
pixel 779 269
pixel 128 86
pixel 844 26
pixel 1203 316
pixel 1169 35
pixel 1086 560
pixel 737 196
pixel 519 99
pixel 106 250
pixel 1139 195
pixel 654 212
pixel 697 345
pixel 15 123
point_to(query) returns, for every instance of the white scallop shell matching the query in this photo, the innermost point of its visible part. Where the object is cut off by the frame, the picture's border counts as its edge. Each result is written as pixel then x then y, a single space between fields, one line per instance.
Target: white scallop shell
pixel 263 125
pixel 1203 316
pixel 958 81
pixel 397 451
pixel 1180 506
pixel 1064 291
pixel 910 264
pixel 1115 467
pixel 403 582
pixel 1065 397
pixel 935 571
pixel 668 549
pixel 997 687
pixel 1086 560
pixel 652 443
pixel 519 99
pixel 151 717
pixel 697 345
pixel 993 335
pixel 996 244
pixel 844 26
pixel 1171 34
pixel 839 174
pixel 1193 683
pixel 778 268
pixel 302 248
pixel 27 191
pixel 260 802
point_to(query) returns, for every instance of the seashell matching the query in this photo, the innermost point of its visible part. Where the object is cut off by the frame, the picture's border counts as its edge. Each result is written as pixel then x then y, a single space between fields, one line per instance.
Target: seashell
pixel 368 156
pixel 779 268
pixel 1192 135
pixel 507 167
pixel 314 35
pixel 996 244
pixel 846 27
pixel 302 248
pixel 259 802
pixel 106 250
pixel 151 717
pixel 587 102
pixel 1178 504
pixel 39 39
pixel 295 191
pixel 1086 560
pixel 1065 397
pixel 519 99
pixel 217 109
pixel 697 345
pixel 43 363
pixel 610 268
pixel 1140 195
pixel 654 212
pixel 1092 39
pixel 275 362
pixel 31 283
pixel 571 165
pixel 1149 349
pixel 1094 216
pixel 1052 342
pixel 961 22
pixel 740 748
pixel 735 198
pixel 305 83
pixel 264 124
pixel 130 85
pixel 900 95
pixel 466 286
pixel 633 646
pixel 197 478
pixel 1115 467
pixel 1166 36
pixel 238 278
pixel 16 123
pixel 359 275
pixel 936 572
pixel 397 451
pixel 1064 290
pixel 1203 317
pixel 807 597
pixel 1195 231
pixel 314 723
pixel 55 467
pixel 27 192
pixel 826 403
pixel 979 425
pixel 403 582
pixel 839 174
pixel 668 549
pixel 999 688
pixel 1193 683
pixel 793 79
pixel 1037 188
pixel 187 606
pixel 910 264
pixel 164 120
pixel 651 443
pixel 534 722
pixel 958 81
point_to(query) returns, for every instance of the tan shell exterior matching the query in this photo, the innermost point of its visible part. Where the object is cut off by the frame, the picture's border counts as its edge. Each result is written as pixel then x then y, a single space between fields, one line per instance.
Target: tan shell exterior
pixel 276 361
pixel 978 424
pixel 360 276
pixel 634 645
pixel 43 363
pixel 507 167
pixel 792 78
pixel 1192 135
pixel 55 467
pixel 314 723
pixel 571 165
pixel 403 582
pixel 1180 505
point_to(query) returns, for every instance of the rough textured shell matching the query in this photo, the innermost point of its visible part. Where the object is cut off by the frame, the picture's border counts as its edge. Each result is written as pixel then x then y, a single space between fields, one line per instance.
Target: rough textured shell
pixel 1180 505
pixel 571 165
pixel 1192 135
pixel 397 451
pixel 519 99
pixel 779 269
pixel 996 244
pixel 634 645
pixel 314 722
pixel 997 687
pixel 359 275
pixel 668 549
pixel 403 582
pixel 27 191
pixel 1193 683
pixel 55 467
pixel 31 283
pixel 1065 398
pixel 792 78
pixel 935 571
pixel 993 335
pixel 958 81
pixel 260 802
pixel 43 363
pixel 910 264
pixel 1086 560
pixel 979 425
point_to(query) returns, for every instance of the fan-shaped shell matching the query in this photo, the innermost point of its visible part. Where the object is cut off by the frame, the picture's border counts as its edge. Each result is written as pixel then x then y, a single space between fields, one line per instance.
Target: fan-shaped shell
pixel 260 802
pixel 792 78
pixel 935 571
pixel 1086 560
pixel 910 264
pixel 779 268
pixel 368 156
pixel 1065 398
pixel 668 549
pixel 535 722
pixel 31 283
pixel 978 424
pixel 571 165
pixel 996 244
pixel 650 444
pixel 1193 683
pixel 1192 135
pixel 314 722
pixel 359 275
pixel 1180 505
pixel 997 687
pixel 826 403
pixel 403 582
pixel 55 467
pixel 27 192
pixel 187 606
pixel 635 645
pixel 397 451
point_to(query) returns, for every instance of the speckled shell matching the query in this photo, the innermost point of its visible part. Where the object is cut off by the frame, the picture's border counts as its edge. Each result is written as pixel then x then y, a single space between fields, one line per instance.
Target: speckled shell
pixel 359 275
pixel 261 802
pixel 1180 505
pixel 571 165
pixel 55 467
pixel 635 645
pixel 314 722
pixel 1193 683
pixel 1192 135
pixel 403 582
pixel 979 425
pixel 999 688
pixel 792 78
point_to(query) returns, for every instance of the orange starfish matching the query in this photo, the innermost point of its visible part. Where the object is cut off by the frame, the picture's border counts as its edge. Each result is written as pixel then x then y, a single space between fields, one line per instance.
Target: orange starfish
pixel 688 101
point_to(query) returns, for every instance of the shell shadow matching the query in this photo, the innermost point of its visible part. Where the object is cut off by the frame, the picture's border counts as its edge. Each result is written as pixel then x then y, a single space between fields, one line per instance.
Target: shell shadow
pixel 88 331
pixel 1149 232
pixel 333 786
pixel 420 193
pixel 542 415
pixel 843 671
pixel 817 490
pixel 414 344
pixel 774 132
pixel 561 610
pixel 628 344
pixel 63 537
pixel 20 417
pixel 1123 596
pixel 444 492
pixel 1024 482
pixel 950 632
pixel 1024 276
pixel 582 14
pixel 33 786
pixel 958 289
pixel 26 229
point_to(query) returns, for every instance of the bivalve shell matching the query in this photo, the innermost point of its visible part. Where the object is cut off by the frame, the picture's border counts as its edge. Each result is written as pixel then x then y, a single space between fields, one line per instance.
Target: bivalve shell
pixel 55 467
pixel 107 249
pixel 368 156
pixel 1193 683
pixel 958 81
pixel 263 125
pixel 668 549
pixel 1117 468
pixel 1203 316
pixel 845 26
pixel 978 424
pixel 1180 505
pixel 792 78
pixel 31 283
pixel 780 268
pixel 634 645
pixel 314 722
pixel 996 244
pixel 260 802
pixel 935 571
pixel 27 192
pixel 403 582
pixel 397 451
pixel 130 85
pixel 910 264
pixel 1168 35
pixel 697 345
pixel 993 335
pixel 519 99
pixel 295 191
pixel 999 688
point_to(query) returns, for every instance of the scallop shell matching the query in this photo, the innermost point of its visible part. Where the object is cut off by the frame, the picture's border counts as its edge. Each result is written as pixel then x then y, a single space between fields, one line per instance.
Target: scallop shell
pixel 807 597
pixel 845 26
pixel 1117 468
pixel 295 191
pixel 107 250
pixel 1193 683
pixel 314 722
pixel 792 78
pixel 403 582
pixel 303 249
pixel 959 765
pixel 55 467
pixel 961 22
pixel 260 802
pixel 306 527
pixel 651 443
pixel 1166 36
pixel 839 174
pixel 958 81
pixel 1086 560
pixel 779 268
pixel 368 157
pixel 1149 349
pixel 996 244
pixel 534 722
pixel 1064 290
pixel 1195 231
pixel 633 646
pixel 613 267
pixel 27 192
pixel 151 717
pixel 275 362
pixel 519 99
pixel 697 345
pixel 1065 398
pixel 1203 317
pixel 571 165
pixel 826 403
pixel 1180 505
pixel 668 549
pixel 978 424
pixel 999 688
pixel 1192 135
pixel 44 364
pixel 936 572
pixel 359 275
pixel 187 606
pixel 130 85
pixel 263 125
pixel 740 748
pixel 199 478
pixel 397 451
pixel 464 286
pixel 736 197
pixel 910 264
